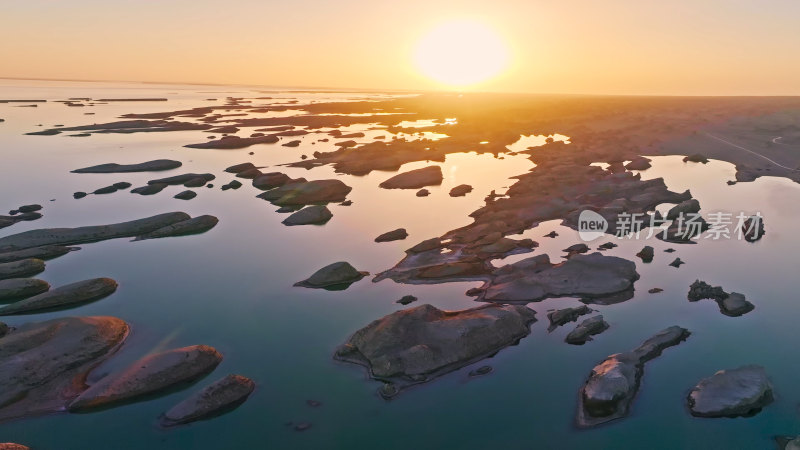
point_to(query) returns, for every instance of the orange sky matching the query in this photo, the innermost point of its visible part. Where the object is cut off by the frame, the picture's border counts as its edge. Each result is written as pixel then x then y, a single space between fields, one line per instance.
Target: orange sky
pixel 700 47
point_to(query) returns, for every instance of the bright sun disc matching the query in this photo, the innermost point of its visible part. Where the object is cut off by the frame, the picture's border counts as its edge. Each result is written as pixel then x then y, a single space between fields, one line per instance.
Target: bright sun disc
pixel 461 53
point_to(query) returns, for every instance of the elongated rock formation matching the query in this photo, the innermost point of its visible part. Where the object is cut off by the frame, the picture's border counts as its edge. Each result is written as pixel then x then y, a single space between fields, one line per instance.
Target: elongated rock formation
pixel 219 397
pixel 613 384
pixel 415 179
pixel 148 166
pixel 44 253
pixel 195 225
pixel 149 375
pixel 66 236
pixel 18 288
pixel 64 296
pixel 22 268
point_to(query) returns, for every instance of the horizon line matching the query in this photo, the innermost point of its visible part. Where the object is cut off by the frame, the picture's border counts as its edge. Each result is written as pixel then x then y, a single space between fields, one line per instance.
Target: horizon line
pixel 395 90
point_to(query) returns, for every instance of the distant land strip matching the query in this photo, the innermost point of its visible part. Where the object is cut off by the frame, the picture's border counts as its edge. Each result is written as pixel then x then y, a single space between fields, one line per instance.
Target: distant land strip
pixel 132 100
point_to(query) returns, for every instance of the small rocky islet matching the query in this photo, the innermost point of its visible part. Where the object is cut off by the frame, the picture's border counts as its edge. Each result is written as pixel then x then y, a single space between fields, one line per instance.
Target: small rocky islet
pixel 742 391
pixel 731 304
pixel 419 344
pixel 612 385
pixel 336 276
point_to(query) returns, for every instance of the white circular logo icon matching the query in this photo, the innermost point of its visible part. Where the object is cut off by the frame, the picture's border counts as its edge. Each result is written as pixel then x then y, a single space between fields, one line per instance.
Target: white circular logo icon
pixel 591 225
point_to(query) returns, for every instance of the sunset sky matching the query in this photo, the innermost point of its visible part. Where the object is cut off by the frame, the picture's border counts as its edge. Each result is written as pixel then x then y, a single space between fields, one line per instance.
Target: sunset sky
pixel 694 47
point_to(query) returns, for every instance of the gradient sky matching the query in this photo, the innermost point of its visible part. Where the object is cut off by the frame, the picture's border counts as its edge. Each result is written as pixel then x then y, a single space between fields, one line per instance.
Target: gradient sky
pixel 693 47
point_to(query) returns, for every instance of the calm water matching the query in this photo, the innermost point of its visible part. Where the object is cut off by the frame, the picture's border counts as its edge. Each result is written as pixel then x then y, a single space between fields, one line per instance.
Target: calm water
pixel 232 288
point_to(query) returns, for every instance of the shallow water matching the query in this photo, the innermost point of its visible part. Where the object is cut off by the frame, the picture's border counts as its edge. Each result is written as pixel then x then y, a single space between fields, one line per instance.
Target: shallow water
pixel 232 288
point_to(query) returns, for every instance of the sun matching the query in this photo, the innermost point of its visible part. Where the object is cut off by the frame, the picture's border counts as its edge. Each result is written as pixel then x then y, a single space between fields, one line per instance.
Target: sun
pixel 461 53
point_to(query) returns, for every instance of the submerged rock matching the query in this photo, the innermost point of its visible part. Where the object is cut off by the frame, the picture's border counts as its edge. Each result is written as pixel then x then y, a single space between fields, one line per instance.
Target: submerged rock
pixel 337 275
pixel 481 371
pixel 423 193
pixel 221 396
pixel 562 316
pixel 415 179
pixel 22 268
pixel 195 225
pixel 19 288
pixel 419 344
pixel 460 190
pixel 613 384
pixel 310 215
pixel 730 393
pixel 65 236
pixel 40 362
pixel 45 252
pixel 394 235
pixel 533 279
pixel 586 329
pixel 149 375
pixel 12 445
pixel 302 426
pixel 64 296
pixel 148 166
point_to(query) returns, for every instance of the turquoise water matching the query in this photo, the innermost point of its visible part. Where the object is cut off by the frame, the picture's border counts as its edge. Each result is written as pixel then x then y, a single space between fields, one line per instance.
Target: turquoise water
pixel 232 288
